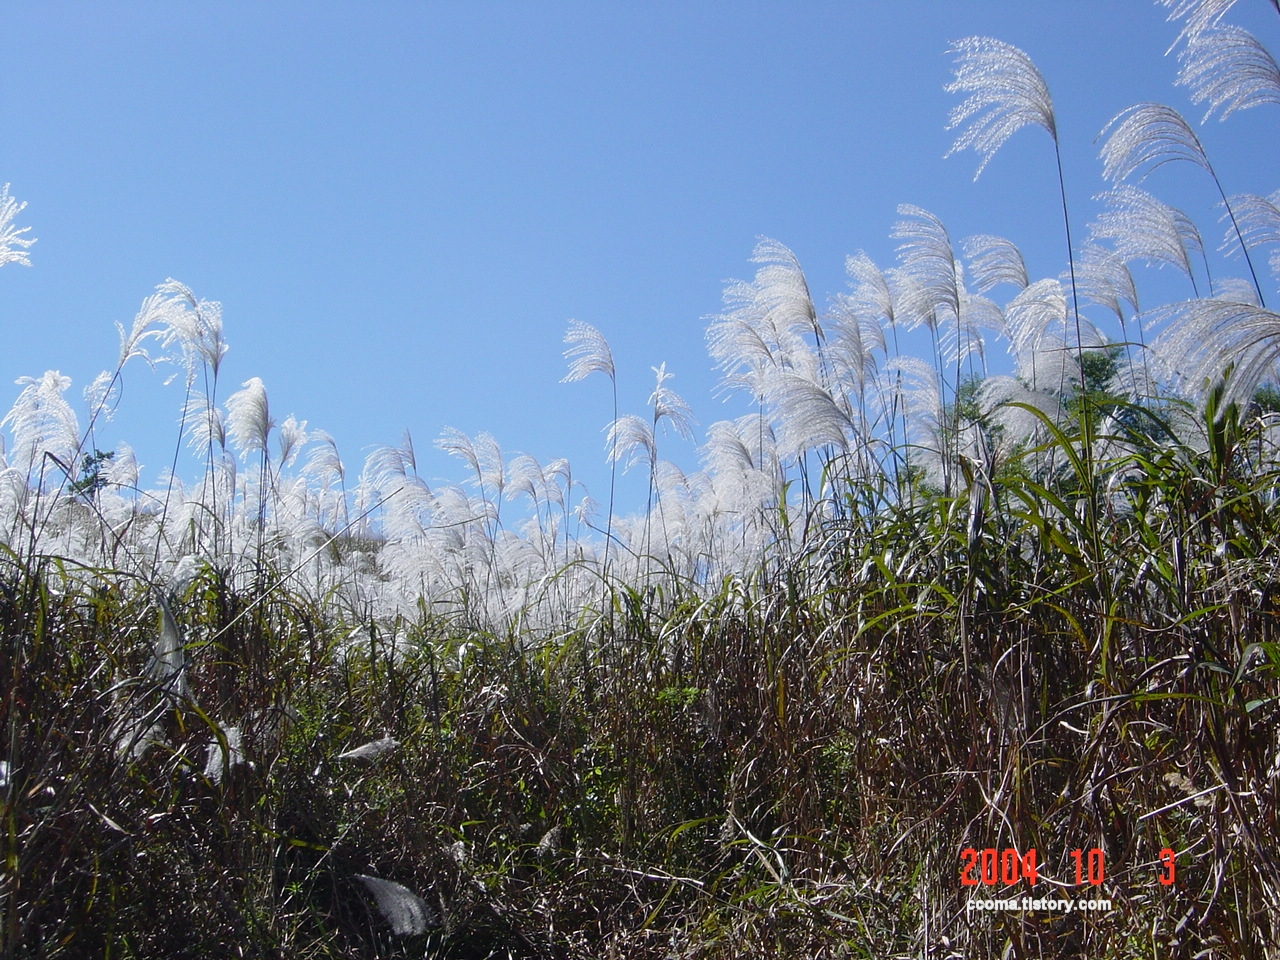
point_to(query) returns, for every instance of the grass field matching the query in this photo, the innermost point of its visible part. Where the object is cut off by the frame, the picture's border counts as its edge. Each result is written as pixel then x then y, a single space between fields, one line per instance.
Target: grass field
pixel 920 636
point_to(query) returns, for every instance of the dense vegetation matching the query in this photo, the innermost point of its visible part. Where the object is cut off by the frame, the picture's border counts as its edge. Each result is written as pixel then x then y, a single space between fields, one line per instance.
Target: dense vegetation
pixel 909 607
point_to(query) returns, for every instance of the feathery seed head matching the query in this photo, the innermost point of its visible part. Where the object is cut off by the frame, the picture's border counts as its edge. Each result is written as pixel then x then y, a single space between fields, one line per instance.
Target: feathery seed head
pixel 1006 92
pixel 292 438
pixel 1103 277
pixel 1150 135
pixel 929 264
pixel 1200 14
pixel 669 406
pixel 1143 228
pixel 630 438
pixel 1258 219
pixel 1229 69
pixel 588 352
pixel 13 246
pixel 1209 336
pixel 249 418
pixel 993 261
pixel 42 421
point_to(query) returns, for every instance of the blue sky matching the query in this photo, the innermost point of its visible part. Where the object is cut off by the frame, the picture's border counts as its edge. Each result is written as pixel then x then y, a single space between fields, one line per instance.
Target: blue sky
pixel 400 205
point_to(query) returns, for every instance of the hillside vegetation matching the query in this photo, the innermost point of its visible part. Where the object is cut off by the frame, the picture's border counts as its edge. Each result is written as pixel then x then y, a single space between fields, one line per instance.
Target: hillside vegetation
pixel 908 607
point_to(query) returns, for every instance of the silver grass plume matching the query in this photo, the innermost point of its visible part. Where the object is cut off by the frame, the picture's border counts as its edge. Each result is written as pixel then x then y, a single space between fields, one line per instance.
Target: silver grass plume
pixel 1036 320
pixel 526 476
pixel 206 424
pixel 220 761
pixel 766 324
pixel 492 471
pixel 993 261
pixel 630 440
pixel 1143 228
pixel 1148 135
pixel 406 913
pixel 1001 80
pixel 373 750
pixel 928 260
pixel 123 469
pixel 588 352
pixel 1005 93
pixel 168 665
pixel 669 408
pixel 249 420
pixel 806 415
pixel 195 324
pixel 292 438
pixel 1199 14
pixel 1229 69
pixel 782 290
pixel 323 462
pixel 559 476
pixel 103 394
pixel 855 336
pixel 158 316
pixel 1103 277
pixel 1238 290
pixel 41 421
pixel 725 450
pixel 1208 337
pixel 13 245
pixel 1151 135
pixel 872 296
pixel 966 339
pixel 481 453
pixel 916 390
pixel 1005 400
pixel 1258 220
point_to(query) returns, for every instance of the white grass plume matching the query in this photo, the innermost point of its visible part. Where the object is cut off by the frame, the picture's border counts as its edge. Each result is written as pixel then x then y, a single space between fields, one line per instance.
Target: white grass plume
pixel 993 261
pixel 669 408
pixel 1199 14
pixel 1005 93
pixel 1143 228
pixel 1148 135
pixel 871 296
pixel 13 245
pixel 323 462
pixel 1036 313
pixel 195 324
pixel 1227 68
pixel 1258 219
pixel 1103 277
pixel 406 913
pixel 41 421
pixel 782 290
pixel 805 415
pixel 855 337
pixel 249 420
pixel 630 440
pixel 767 323
pixel 1207 337
pixel 927 259
pixel 588 352
pixel 291 438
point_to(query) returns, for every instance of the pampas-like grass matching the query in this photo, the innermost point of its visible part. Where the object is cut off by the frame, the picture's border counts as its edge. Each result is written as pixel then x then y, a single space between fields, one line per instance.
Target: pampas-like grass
pixel 993 261
pixel 1005 93
pixel 13 245
pixel 1141 227
pixel 1227 68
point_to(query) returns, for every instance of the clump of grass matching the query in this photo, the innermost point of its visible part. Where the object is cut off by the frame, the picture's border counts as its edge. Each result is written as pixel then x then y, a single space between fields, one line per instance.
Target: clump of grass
pixel 259 717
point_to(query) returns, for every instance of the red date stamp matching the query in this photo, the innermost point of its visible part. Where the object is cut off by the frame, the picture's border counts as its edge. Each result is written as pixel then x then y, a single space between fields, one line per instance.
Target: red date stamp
pixel 991 867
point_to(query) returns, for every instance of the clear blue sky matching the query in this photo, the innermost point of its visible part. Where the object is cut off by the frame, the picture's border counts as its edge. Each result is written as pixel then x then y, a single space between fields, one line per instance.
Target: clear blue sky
pixel 400 205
